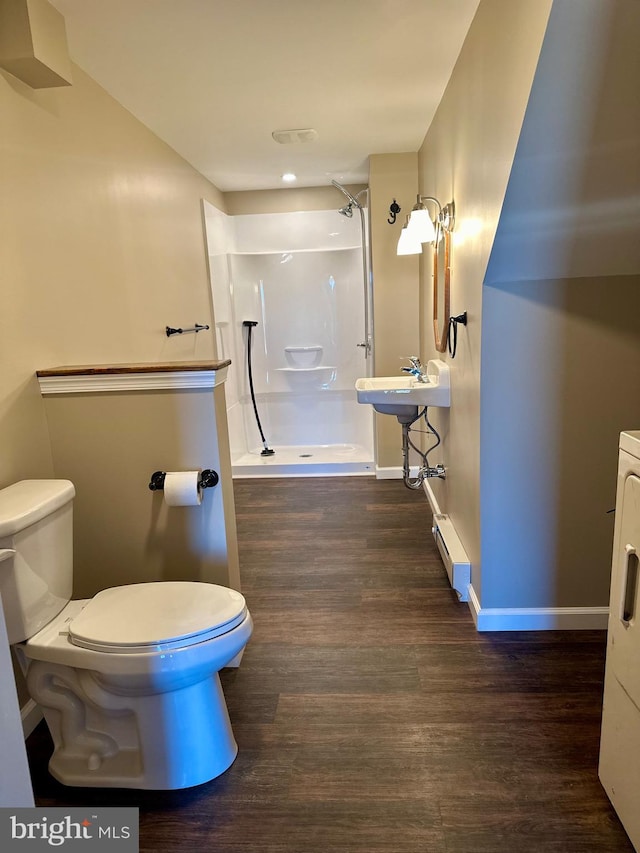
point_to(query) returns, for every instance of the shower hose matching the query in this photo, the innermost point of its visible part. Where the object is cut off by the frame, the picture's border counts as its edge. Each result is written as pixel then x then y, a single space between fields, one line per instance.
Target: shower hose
pixel 249 324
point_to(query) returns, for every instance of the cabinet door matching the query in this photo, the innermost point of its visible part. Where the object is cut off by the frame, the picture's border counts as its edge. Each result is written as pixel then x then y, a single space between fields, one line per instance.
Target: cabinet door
pixel 624 619
pixel 619 768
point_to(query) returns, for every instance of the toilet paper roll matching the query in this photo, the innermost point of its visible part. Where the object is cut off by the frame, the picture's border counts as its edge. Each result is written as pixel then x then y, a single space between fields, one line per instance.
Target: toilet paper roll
pixel 182 488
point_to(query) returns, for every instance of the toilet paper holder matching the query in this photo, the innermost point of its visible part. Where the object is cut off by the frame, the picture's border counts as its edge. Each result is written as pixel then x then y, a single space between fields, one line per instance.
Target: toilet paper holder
pixel 208 479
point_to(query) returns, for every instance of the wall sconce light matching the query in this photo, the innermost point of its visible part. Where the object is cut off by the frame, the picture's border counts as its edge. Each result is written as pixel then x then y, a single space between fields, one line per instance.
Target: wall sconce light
pixel 420 222
pixel 408 244
pixel 420 228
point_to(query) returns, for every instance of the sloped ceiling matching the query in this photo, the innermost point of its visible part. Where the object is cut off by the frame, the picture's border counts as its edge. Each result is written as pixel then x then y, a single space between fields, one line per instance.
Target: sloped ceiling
pixel 571 208
pixel 215 78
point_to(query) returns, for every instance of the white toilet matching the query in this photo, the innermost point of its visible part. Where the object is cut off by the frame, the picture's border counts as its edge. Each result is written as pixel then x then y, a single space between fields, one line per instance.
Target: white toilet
pixel 128 680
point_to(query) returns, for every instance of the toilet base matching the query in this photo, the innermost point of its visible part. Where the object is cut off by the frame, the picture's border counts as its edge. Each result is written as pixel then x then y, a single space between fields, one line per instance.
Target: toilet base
pixel 103 739
pixel 121 771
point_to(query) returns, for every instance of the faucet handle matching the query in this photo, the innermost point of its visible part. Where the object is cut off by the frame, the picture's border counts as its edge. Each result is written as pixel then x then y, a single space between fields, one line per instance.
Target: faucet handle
pixel 414 359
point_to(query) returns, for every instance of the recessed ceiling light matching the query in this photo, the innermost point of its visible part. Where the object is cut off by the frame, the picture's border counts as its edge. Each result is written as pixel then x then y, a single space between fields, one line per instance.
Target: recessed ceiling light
pixel 289 177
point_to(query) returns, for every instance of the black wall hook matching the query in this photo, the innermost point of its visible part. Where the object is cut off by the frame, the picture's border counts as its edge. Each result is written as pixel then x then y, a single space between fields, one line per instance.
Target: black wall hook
pixel 394 210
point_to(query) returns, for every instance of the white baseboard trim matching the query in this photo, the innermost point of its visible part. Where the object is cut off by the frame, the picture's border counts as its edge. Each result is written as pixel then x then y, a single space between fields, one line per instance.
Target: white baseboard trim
pixel 31 714
pixel 433 501
pixel 388 473
pixel 536 618
pixel 394 473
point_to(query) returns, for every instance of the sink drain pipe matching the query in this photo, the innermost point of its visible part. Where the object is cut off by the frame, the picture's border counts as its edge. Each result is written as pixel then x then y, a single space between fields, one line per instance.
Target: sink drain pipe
pixel 249 324
pixel 425 469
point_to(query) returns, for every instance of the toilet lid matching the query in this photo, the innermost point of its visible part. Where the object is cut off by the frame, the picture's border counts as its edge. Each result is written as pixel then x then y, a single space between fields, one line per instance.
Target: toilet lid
pixel 146 617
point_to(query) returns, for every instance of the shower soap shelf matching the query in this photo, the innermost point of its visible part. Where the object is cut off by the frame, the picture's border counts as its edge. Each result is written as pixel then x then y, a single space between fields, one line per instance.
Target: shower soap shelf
pixel 304 357
pixel 312 348
pixel 316 369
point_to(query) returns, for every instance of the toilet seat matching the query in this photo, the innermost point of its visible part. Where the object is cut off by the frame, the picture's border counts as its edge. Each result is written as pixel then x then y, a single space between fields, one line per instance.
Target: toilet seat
pixel 148 617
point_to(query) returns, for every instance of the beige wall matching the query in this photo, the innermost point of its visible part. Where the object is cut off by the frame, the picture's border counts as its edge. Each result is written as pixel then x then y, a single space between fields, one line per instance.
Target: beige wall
pixel 536 140
pixel 102 246
pixel 561 342
pixel 395 285
pixel 108 445
pixel 466 157
pixel 287 200
pixel 559 384
pixel 571 208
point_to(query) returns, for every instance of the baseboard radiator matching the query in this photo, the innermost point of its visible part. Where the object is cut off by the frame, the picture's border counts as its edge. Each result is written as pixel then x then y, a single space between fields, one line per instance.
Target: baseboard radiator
pixel 451 549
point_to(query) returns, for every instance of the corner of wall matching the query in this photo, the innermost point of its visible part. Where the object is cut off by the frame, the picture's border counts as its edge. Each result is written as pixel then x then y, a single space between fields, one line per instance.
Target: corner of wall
pixel 395 284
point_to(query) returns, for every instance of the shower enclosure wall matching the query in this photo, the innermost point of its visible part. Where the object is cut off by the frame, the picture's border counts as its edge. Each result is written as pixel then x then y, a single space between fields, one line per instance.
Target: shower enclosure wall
pixel 300 276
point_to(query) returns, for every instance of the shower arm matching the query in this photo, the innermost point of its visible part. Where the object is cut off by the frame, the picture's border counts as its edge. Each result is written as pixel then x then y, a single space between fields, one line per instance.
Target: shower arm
pixel 352 198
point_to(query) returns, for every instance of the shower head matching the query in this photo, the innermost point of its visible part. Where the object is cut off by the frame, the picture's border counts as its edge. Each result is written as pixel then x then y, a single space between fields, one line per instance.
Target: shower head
pixel 353 199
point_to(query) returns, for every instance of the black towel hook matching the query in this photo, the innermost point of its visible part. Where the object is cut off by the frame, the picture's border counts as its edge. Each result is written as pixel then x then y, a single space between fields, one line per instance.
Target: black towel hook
pixel 394 210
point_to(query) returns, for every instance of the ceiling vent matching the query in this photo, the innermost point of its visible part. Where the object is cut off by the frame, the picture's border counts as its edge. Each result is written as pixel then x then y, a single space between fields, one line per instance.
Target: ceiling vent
pixel 288 137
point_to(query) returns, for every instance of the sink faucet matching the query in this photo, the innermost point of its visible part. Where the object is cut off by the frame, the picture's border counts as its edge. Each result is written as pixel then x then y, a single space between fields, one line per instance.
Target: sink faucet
pixel 416 369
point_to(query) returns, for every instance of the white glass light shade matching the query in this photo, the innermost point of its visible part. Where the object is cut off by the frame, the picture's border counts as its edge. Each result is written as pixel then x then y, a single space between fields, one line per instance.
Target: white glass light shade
pixel 421 226
pixel 408 244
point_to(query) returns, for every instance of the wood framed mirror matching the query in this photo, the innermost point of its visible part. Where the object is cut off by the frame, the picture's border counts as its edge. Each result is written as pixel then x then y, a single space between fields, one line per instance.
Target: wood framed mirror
pixel 442 276
pixel 441 288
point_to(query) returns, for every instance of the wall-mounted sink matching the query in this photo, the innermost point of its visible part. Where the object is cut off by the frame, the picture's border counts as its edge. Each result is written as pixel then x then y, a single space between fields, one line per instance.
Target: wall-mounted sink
pixel 404 395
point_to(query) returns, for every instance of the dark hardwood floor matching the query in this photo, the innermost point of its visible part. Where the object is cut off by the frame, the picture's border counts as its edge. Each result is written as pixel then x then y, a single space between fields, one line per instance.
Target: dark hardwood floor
pixel 370 715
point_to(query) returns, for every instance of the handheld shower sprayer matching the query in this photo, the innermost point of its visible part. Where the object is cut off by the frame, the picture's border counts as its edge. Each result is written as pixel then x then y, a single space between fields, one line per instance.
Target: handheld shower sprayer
pixel 249 324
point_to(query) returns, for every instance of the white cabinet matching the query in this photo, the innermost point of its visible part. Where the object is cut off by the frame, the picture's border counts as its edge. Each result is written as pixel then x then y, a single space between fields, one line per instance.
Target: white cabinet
pixel 620 742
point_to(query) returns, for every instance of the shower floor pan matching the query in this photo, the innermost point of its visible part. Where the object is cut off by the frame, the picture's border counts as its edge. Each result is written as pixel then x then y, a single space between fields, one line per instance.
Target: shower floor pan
pixel 305 461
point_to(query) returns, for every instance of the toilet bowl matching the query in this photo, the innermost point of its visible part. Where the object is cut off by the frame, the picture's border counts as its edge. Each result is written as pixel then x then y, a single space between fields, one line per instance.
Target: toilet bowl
pixel 128 680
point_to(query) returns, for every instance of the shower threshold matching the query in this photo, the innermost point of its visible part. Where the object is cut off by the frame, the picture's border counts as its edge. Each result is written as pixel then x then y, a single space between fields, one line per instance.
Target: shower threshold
pixel 319 460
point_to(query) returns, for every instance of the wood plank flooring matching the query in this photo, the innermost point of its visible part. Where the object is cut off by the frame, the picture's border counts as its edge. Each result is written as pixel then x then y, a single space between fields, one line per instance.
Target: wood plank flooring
pixel 370 715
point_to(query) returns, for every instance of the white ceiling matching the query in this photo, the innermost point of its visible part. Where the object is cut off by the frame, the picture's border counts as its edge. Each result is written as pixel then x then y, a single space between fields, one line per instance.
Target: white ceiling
pixel 215 78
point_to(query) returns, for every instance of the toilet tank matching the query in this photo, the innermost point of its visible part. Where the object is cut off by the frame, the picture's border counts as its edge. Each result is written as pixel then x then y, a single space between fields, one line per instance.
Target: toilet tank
pixel 36 553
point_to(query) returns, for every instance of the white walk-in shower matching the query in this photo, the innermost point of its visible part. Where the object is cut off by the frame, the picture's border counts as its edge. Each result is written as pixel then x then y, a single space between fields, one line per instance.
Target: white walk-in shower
pixel 300 277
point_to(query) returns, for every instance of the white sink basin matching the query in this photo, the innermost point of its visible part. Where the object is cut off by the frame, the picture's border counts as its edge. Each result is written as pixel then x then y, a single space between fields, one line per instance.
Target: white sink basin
pixel 403 395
